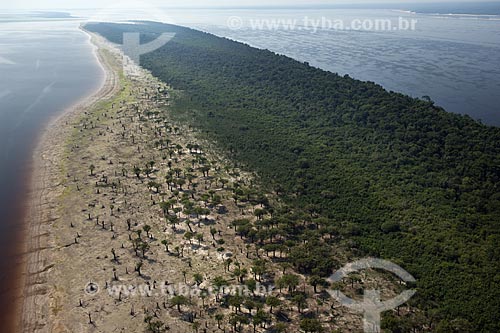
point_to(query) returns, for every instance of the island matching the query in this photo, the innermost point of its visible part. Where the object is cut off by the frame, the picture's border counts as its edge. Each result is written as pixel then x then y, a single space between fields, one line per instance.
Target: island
pixel 217 188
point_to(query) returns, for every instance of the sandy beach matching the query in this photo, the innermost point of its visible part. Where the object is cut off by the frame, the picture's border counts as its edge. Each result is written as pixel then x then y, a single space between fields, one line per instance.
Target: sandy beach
pixel 136 221
pixel 42 206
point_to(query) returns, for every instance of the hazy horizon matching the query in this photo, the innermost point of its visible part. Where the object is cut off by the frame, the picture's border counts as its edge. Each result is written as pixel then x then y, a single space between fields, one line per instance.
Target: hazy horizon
pixel 90 4
pixel 220 165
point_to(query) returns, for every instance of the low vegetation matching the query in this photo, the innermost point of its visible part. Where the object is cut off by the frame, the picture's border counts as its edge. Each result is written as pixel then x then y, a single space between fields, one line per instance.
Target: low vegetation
pixel 356 170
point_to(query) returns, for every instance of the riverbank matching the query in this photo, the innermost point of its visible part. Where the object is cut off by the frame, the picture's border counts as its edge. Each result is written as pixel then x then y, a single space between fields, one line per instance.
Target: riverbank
pixel 42 209
pixel 139 221
pixel 125 196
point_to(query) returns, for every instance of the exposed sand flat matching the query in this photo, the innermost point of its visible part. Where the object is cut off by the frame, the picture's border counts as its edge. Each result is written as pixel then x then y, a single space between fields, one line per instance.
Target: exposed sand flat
pixel 67 250
pixel 43 209
pixel 124 196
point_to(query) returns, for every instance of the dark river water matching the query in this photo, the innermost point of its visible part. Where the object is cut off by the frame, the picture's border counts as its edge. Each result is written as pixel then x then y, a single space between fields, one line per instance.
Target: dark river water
pixel 452 58
pixel 45 67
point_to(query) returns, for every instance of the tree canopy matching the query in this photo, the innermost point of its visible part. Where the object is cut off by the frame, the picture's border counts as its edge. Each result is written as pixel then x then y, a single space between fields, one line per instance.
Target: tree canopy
pixel 389 175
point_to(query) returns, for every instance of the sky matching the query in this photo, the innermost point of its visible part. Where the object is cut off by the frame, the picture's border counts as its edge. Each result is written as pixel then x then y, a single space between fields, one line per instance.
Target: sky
pixel 71 4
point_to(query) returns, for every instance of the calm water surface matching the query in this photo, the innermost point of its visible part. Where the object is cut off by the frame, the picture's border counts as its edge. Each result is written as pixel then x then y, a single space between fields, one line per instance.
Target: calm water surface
pixel 45 66
pixel 454 59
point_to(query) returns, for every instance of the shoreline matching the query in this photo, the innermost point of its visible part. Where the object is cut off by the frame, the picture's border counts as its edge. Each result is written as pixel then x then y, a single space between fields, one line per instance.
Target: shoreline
pixel 44 186
pixel 109 224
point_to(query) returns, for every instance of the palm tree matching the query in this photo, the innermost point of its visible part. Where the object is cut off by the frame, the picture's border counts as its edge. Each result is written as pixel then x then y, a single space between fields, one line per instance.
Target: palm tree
pixel 218 283
pixel 92 168
pixel 144 248
pixel 203 295
pixel 181 182
pixel 250 305
pixel 258 269
pixel 259 213
pixel 228 264
pixel 173 220
pixel 188 235
pixel 153 326
pixel 155 186
pixel 138 268
pixel 301 300
pixel 315 280
pixel 190 177
pixel 205 170
pixel 177 172
pixel 178 301
pixel 355 278
pixel 147 229
pixel 272 302
pixel 219 317
pixel 199 238
pixel 165 206
pixel 259 319
pixel 137 172
pixel 251 284
pixel 311 325
pixel 237 321
pixel 290 281
pixel 236 301
pixel 165 243
pixel 198 278
pixel 213 232
pixel 177 210
pixel 240 273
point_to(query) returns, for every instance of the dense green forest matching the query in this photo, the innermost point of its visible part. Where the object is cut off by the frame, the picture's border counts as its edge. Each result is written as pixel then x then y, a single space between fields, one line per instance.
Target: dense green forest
pixel 374 172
